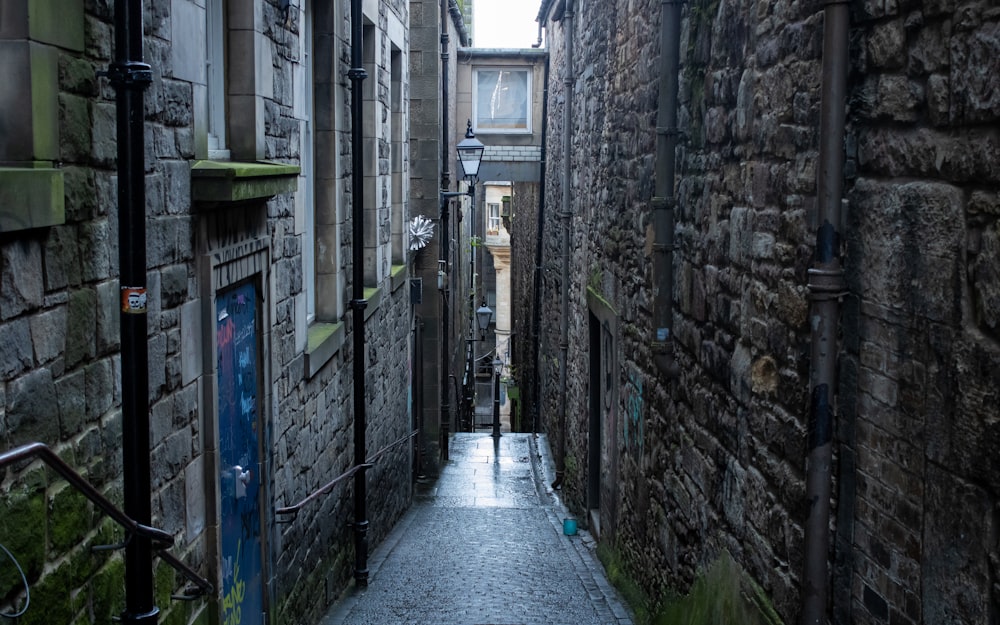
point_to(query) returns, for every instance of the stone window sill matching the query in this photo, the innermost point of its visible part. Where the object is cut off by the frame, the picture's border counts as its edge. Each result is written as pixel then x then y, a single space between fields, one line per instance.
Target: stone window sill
pixel 324 340
pixel 31 198
pixel 373 295
pixel 398 277
pixel 224 182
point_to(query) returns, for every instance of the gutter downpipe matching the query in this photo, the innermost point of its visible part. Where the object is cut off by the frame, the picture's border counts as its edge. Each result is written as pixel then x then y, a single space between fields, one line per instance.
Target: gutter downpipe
pixel 130 77
pixel 357 75
pixel 826 287
pixel 536 316
pixel 566 215
pixel 664 200
pixel 445 243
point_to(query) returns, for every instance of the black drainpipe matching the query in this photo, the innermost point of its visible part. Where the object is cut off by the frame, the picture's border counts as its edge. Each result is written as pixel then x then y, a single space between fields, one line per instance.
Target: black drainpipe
pixel 357 74
pixel 566 214
pixel 826 286
pixel 445 239
pixel 539 241
pixel 130 77
pixel 664 200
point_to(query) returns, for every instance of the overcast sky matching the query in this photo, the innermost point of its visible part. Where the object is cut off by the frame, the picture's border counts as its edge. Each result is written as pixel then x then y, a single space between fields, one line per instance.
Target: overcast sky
pixel 505 23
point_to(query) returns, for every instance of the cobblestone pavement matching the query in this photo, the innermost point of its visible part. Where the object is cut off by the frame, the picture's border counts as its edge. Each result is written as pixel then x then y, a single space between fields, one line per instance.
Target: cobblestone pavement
pixel 484 545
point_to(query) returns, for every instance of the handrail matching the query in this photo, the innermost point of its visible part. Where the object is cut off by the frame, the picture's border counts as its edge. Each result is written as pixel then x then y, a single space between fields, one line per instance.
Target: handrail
pixel 160 539
pixel 328 487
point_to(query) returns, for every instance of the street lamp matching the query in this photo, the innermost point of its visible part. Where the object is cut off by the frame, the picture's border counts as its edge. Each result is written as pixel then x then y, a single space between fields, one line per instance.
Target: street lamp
pixel 497 370
pixel 484 314
pixel 470 154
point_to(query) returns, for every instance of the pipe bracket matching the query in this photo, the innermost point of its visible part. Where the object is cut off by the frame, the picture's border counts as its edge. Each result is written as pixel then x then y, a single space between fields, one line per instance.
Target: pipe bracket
pixel 663 203
pixel 357 73
pixel 826 284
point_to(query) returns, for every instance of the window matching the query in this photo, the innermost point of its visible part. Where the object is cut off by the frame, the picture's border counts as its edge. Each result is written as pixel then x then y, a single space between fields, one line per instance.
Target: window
pixel 492 218
pixel 397 121
pixel 502 102
pixel 325 222
pixel 302 78
pixel 215 65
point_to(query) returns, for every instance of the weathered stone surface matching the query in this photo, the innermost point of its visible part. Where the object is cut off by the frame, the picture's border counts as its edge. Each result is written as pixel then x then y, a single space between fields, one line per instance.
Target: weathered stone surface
pixel 21 278
pixel 71 391
pixel 16 345
pixel 48 335
pixel 32 410
pixel 81 327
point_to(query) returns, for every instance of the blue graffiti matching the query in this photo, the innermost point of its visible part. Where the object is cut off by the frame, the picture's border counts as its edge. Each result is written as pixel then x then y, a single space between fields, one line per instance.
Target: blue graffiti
pixel 633 422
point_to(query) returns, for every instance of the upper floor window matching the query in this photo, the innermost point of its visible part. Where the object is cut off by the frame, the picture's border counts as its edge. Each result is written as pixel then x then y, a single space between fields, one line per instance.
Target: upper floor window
pixel 493 218
pixel 502 102
pixel 215 66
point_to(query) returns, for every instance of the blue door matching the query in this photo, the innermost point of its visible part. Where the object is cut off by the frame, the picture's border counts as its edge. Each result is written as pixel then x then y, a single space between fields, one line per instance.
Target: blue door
pixel 239 461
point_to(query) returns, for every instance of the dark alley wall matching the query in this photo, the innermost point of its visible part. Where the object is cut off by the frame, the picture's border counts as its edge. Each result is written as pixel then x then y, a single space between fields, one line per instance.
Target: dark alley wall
pixel 714 461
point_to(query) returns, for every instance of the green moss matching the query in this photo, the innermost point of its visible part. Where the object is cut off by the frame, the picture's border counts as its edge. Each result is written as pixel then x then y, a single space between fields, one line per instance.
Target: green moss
pixel 22 531
pixel 72 516
pixel 166 583
pixel 107 590
pixel 628 588
pixel 54 599
pixel 723 594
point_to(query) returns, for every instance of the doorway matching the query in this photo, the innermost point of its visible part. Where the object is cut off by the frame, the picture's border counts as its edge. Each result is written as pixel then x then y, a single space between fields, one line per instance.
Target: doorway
pixel 595 428
pixel 239 378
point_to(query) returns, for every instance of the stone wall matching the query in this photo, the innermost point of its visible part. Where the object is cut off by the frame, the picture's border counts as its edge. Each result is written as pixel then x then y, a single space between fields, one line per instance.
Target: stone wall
pixel 523 244
pixel 60 379
pixel 715 460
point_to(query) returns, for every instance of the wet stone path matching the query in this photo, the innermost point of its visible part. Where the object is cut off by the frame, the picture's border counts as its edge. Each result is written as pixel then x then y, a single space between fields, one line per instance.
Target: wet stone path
pixel 484 545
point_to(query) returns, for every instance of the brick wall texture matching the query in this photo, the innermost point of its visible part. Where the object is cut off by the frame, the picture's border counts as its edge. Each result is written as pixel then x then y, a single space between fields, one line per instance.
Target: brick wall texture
pixel 715 460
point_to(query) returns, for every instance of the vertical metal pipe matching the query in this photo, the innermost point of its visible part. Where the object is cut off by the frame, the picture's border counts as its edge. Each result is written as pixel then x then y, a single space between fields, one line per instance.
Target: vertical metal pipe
pixel 826 285
pixel 664 200
pixel 357 75
pixel 130 76
pixel 566 214
pixel 445 421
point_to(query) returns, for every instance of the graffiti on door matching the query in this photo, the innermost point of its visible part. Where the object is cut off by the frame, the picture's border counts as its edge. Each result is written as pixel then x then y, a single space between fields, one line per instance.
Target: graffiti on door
pixel 239 479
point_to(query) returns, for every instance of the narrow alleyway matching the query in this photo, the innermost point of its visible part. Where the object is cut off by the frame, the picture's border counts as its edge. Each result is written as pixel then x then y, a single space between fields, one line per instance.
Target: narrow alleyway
pixel 485 545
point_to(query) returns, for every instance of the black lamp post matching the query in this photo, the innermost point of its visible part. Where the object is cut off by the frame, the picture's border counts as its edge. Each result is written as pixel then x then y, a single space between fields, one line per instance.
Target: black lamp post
pixel 497 370
pixel 470 154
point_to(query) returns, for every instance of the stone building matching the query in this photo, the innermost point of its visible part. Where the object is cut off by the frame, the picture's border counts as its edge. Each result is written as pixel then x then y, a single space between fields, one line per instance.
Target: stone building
pixel 251 190
pixel 683 423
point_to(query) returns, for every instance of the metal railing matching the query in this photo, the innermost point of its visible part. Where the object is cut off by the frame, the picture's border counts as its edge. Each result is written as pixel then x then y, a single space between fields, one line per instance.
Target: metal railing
pixel 327 488
pixel 159 539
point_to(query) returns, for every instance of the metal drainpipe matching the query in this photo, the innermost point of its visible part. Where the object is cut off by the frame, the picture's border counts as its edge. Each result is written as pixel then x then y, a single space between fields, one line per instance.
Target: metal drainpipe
pixel 826 285
pixel 445 241
pixel 566 214
pixel 130 77
pixel 357 75
pixel 664 200
pixel 539 241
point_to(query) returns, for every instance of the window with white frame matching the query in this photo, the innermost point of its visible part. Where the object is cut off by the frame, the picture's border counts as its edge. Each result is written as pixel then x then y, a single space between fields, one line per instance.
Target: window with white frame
pixel 215 66
pixel 492 218
pixel 502 100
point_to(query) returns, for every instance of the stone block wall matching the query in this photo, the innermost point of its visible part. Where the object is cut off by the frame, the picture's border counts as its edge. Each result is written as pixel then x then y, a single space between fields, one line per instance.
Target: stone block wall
pixel 715 460
pixel 60 379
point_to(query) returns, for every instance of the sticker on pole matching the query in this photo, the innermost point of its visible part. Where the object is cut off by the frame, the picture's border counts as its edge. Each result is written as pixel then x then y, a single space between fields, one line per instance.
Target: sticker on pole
pixel 134 300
